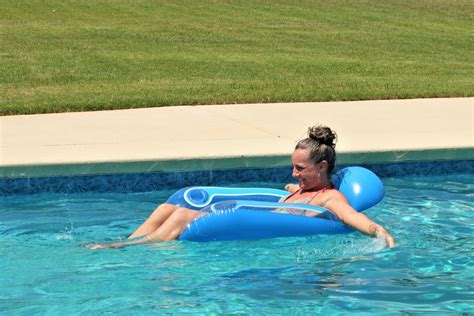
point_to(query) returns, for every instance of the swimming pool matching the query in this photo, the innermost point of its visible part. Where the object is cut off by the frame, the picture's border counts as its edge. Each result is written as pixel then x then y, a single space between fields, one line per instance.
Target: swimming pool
pixel 46 270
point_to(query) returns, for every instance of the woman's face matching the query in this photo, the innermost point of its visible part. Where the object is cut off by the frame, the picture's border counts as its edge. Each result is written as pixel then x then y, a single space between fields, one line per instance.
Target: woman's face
pixel 304 170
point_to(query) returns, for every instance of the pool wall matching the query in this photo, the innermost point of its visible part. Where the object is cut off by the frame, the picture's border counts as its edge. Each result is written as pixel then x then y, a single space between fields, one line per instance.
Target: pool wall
pixel 152 181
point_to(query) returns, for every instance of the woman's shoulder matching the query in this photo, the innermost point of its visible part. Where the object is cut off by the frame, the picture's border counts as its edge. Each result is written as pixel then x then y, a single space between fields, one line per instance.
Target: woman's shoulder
pixel 331 195
pixel 336 194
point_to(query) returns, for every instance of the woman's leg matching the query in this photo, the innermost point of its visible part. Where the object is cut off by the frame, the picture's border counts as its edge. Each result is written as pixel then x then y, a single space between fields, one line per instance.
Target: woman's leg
pixel 158 217
pixel 170 229
pixel 174 224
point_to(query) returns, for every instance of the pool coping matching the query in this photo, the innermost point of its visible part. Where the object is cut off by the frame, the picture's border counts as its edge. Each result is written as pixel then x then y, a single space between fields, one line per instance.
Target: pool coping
pixel 218 137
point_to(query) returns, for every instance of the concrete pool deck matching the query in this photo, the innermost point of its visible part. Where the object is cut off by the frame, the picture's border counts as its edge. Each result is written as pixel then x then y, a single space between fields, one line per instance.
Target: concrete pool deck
pixel 238 135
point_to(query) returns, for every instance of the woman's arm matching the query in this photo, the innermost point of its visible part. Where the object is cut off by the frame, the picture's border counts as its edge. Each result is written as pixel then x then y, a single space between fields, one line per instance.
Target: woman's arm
pixel 338 204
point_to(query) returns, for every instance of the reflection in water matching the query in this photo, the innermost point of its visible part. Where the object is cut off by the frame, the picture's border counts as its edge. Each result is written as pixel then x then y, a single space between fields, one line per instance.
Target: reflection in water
pixel 297 282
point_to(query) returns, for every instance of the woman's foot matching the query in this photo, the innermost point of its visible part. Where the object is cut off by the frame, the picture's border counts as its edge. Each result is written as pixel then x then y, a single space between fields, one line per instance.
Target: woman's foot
pixel 102 246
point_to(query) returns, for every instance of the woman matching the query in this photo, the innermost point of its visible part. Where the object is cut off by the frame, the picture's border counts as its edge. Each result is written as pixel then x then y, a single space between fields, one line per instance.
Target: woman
pixel 313 160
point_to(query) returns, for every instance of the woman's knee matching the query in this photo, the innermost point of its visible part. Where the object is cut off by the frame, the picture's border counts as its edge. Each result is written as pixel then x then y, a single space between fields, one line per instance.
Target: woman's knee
pixel 182 212
pixel 183 215
pixel 177 222
pixel 168 208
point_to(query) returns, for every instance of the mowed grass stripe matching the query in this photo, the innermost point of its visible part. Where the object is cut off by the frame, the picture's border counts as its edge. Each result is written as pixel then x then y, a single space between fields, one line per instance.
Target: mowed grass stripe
pixel 82 55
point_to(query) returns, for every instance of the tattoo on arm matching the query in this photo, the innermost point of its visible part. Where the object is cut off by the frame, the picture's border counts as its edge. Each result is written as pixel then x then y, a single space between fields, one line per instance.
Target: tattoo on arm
pixel 373 229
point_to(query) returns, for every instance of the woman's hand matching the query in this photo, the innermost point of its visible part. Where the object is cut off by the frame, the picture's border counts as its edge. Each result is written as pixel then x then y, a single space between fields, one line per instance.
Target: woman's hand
pixel 337 204
pixel 290 187
pixel 380 232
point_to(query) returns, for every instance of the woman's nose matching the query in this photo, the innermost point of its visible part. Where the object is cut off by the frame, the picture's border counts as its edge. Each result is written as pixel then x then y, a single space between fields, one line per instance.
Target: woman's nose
pixel 295 173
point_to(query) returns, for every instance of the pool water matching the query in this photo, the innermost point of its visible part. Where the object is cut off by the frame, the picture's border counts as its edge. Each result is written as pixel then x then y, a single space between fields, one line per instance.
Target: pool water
pixel 46 269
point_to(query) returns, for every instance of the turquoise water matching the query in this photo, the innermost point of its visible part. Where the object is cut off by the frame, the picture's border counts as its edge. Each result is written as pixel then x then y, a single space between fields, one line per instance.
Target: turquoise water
pixel 45 268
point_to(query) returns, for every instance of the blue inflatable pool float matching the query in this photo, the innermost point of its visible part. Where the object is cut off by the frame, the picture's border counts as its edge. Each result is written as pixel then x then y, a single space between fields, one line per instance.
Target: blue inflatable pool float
pixel 246 213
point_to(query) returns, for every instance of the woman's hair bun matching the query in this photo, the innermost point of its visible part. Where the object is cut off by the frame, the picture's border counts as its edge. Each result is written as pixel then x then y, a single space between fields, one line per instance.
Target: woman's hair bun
pixel 323 135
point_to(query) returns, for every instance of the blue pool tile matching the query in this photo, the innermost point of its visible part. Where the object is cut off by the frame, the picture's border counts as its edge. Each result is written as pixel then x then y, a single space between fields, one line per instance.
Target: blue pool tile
pixel 157 181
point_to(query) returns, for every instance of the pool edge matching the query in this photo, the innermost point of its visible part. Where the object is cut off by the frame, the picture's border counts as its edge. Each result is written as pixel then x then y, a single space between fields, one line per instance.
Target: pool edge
pixel 225 163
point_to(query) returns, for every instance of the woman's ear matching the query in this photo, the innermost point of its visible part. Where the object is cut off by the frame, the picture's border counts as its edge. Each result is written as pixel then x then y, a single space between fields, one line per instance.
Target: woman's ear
pixel 323 166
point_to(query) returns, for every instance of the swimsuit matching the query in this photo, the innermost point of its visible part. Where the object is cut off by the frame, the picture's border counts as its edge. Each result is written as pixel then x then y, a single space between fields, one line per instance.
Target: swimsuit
pixel 306 200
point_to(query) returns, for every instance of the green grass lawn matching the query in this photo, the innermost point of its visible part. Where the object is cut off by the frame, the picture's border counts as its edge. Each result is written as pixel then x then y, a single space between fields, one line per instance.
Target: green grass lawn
pixel 64 55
